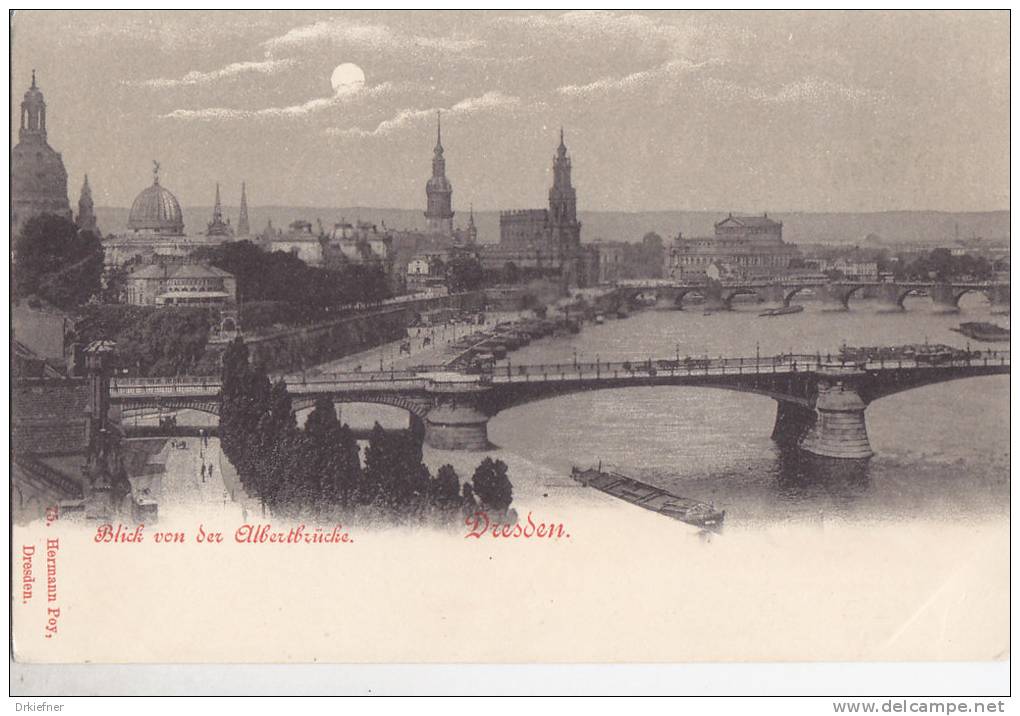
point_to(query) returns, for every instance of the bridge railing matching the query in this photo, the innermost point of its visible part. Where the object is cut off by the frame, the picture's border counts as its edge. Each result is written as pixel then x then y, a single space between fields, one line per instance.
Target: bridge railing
pixel 650 367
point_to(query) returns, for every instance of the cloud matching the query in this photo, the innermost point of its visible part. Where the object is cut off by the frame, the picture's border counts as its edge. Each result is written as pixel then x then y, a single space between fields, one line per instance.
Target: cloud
pixel 312 106
pixel 808 91
pixel 195 77
pixel 370 36
pixel 487 102
pixel 673 69
pixel 601 25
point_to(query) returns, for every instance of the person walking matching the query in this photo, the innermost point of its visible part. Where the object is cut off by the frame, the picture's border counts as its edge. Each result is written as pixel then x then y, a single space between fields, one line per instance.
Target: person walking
pixel 203 472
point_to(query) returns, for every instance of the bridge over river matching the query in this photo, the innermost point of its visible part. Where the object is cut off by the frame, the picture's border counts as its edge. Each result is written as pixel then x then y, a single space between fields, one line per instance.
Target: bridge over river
pixel 821 401
pixel 719 295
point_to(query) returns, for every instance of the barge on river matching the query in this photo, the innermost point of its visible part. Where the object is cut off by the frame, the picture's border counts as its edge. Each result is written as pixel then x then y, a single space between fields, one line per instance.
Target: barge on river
pixel 783 311
pixel 699 514
pixel 983 331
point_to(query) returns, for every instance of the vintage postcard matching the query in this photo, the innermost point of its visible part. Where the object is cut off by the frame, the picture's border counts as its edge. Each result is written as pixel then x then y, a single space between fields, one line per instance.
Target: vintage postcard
pixel 509 337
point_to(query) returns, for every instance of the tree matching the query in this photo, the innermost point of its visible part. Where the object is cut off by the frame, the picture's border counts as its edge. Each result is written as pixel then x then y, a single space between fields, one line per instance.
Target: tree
pixel 464 273
pixel 492 485
pixel 170 341
pixel 56 262
pixel 445 487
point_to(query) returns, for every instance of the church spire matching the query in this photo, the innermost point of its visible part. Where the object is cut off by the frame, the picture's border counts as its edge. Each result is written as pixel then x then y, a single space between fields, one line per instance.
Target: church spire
pixel 86 220
pixel 217 212
pixel 218 227
pixel 438 192
pixel 242 219
pixel 33 80
pixel 562 196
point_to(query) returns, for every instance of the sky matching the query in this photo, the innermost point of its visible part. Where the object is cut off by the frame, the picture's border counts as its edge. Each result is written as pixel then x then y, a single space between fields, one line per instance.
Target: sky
pixel 742 111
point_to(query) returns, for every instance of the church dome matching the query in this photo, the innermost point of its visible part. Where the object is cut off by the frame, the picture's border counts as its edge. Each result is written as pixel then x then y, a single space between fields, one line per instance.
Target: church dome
pixel 156 209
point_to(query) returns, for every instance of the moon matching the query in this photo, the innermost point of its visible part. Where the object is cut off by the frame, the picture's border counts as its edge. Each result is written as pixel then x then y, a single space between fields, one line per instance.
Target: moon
pixel 347 78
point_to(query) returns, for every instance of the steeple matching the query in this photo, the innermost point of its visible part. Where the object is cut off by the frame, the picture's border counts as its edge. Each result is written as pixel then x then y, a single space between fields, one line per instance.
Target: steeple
pixel 438 162
pixel 86 220
pixel 218 227
pixel 562 197
pixel 472 230
pixel 33 114
pixel 438 191
pixel 38 179
pixel 242 219
pixel 217 212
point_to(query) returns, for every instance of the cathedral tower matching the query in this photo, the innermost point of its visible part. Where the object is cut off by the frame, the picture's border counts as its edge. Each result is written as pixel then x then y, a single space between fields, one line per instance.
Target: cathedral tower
pixel 438 190
pixel 242 219
pixel 562 197
pixel 38 176
pixel 566 230
pixel 218 227
pixel 86 210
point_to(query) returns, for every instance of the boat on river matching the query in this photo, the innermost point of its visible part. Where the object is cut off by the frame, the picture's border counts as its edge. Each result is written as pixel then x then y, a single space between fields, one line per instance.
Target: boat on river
pixel 781 311
pixel 980 331
pixel 692 512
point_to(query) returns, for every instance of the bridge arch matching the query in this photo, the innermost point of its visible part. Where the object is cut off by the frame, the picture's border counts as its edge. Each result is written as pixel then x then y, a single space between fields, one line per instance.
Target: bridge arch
pixel 791 388
pixel 729 294
pixel 169 406
pixel 925 379
pixel 961 292
pixel 411 406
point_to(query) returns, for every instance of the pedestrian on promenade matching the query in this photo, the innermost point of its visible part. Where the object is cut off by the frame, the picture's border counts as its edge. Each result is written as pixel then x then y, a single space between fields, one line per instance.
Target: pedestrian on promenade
pixel 203 472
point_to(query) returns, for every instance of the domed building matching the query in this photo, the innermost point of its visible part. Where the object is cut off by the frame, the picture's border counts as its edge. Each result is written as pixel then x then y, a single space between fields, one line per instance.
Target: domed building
pixel 155 229
pixel 156 211
pixel 38 176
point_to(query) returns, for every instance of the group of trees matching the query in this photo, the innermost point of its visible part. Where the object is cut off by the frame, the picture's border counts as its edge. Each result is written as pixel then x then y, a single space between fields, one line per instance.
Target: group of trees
pixel 279 276
pixel 941 265
pixel 316 471
pixel 151 340
pixel 56 262
pixel 464 273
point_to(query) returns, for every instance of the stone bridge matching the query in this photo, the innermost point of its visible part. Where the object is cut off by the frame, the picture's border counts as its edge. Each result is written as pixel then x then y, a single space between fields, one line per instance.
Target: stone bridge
pixel 821 402
pixel 835 294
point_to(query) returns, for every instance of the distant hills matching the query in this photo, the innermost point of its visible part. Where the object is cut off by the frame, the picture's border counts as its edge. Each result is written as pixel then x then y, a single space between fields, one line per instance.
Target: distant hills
pixel 922 227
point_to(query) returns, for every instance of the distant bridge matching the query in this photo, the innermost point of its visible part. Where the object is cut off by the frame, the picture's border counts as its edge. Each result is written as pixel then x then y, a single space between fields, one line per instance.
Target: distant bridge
pixel 836 294
pixel 821 400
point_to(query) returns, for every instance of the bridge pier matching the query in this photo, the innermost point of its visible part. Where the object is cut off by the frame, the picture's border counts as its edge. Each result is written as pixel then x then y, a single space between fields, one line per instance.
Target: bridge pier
pixel 999 298
pixel 714 299
pixel 839 430
pixel 793 421
pixel 890 297
pixel 457 427
pixel 944 299
pixel 774 295
pixel 456 422
pixel 835 297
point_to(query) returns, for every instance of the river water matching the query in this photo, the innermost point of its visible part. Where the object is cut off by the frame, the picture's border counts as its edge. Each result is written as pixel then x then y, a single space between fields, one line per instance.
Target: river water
pixel 942 451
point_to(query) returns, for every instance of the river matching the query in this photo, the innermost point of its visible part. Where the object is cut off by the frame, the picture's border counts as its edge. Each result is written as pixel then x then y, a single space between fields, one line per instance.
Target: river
pixel 941 451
